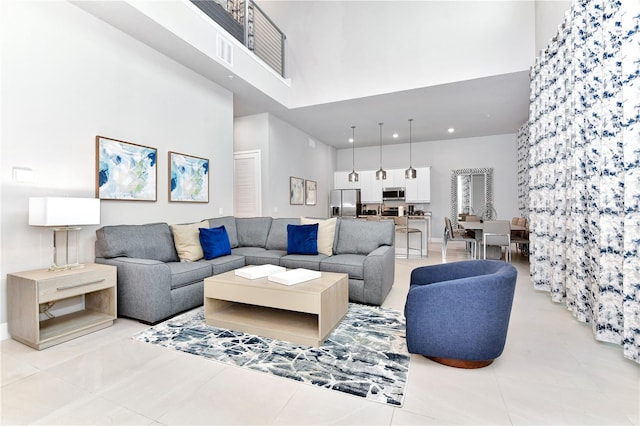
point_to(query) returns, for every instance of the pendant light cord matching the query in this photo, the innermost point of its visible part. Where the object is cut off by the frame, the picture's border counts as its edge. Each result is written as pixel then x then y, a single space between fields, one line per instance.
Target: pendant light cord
pixel 353 152
pixel 380 124
pixel 410 156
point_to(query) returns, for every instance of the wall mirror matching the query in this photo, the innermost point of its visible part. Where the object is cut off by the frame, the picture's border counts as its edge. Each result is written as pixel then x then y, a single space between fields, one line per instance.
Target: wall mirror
pixel 471 193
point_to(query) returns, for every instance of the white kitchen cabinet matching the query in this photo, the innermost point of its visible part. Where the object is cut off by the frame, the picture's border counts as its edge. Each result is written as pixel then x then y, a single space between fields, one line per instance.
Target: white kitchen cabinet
pixel 371 188
pixel 418 190
pixel 395 179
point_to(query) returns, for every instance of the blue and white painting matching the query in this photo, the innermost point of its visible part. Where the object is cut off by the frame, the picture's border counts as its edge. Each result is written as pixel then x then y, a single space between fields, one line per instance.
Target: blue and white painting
pixel 126 171
pixel 188 178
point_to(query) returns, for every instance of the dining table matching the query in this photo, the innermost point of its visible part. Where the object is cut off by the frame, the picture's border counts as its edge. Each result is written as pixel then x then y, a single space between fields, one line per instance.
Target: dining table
pixel 493 252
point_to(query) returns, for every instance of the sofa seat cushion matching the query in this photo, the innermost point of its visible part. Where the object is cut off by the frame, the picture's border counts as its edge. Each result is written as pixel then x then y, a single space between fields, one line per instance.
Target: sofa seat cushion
pixel 185 273
pixel 307 261
pixel 259 255
pixel 352 264
pixel 224 264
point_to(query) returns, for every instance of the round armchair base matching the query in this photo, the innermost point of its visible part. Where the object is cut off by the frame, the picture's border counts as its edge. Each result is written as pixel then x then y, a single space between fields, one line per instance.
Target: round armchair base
pixel 460 363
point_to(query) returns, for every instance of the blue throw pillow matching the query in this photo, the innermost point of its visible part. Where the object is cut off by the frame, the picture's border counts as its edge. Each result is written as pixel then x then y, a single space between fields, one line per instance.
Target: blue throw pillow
pixel 302 239
pixel 214 242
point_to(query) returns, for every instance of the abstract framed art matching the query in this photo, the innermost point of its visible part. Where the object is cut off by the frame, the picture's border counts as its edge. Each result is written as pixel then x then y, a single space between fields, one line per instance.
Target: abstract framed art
pixel 125 171
pixel 296 190
pixel 310 192
pixel 188 178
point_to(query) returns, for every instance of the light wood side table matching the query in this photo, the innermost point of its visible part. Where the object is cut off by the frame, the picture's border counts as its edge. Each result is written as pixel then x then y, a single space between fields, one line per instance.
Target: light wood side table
pixel 30 292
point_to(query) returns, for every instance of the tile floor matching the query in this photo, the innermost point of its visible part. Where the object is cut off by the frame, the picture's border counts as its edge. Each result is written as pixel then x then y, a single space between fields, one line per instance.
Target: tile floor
pixel 551 372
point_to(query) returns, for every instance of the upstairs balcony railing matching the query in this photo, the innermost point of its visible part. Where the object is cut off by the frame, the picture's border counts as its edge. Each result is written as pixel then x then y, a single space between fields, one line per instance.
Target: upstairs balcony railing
pixel 245 21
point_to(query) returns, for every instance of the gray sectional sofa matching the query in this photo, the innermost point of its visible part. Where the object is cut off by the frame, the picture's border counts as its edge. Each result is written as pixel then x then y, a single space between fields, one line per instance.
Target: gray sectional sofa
pixel 153 284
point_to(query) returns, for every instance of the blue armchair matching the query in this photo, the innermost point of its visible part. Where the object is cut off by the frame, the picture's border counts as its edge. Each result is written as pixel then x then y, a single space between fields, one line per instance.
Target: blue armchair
pixel 458 313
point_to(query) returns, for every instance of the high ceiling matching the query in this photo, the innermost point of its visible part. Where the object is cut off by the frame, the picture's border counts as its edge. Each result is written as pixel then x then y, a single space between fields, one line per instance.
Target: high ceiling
pixel 480 107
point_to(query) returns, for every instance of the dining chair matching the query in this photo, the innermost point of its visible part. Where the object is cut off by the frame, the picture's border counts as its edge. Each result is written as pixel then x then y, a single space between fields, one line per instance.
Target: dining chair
pixel 521 238
pixel 497 233
pixel 451 235
pixel 402 226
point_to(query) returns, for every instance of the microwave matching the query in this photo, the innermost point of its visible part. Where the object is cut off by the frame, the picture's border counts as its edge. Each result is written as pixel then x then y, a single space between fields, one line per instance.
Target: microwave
pixel 393 194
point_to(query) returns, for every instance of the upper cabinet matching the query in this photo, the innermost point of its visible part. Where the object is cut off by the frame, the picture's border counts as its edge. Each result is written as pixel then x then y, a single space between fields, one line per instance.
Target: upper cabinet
pixel 395 179
pixel 416 190
pixel 371 188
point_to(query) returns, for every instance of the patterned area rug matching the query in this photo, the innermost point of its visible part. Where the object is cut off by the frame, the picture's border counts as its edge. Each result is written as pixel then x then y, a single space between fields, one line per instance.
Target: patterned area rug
pixel 366 355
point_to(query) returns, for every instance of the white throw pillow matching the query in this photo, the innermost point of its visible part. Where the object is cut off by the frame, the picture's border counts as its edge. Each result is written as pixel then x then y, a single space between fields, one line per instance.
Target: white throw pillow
pixel 187 240
pixel 326 233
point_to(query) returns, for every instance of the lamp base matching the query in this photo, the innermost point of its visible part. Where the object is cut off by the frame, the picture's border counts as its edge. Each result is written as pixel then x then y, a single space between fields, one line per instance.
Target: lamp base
pixel 61 248
pixel 66 267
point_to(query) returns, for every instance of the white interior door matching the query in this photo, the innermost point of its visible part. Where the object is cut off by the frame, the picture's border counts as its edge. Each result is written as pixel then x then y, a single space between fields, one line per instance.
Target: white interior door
pixel 247 184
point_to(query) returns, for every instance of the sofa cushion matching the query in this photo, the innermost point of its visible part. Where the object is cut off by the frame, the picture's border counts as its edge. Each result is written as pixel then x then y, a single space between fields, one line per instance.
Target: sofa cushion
pixel 187 241
pixel 185 273
pixel 225 263
pixel 253 231
pixel 363 237
pixel 215 242
pixel 306 261
pixel 229 223
pixel 277 239
pixel 259 256
pixel 326 233
pixel 302 239
pixel 351 264
pixel 151 241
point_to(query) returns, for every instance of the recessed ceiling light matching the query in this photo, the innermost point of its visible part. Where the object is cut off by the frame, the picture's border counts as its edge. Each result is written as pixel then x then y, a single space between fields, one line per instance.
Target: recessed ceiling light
pixel 395 136
pixel 350 140
pixel 451 130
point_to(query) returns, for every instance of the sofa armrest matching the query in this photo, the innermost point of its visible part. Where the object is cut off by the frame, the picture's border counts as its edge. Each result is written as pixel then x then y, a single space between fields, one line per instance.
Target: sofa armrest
pixel 144 288
pixel 379 272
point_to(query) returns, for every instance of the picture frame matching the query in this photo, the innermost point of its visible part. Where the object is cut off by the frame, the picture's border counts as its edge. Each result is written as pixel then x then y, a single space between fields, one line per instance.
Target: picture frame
pixel 125 171
pixel 188 178
pixel 310 192
pixel 296 190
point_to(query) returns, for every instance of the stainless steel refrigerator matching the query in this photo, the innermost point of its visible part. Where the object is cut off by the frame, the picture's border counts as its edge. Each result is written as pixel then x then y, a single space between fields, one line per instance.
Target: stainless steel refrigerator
pixel 345 202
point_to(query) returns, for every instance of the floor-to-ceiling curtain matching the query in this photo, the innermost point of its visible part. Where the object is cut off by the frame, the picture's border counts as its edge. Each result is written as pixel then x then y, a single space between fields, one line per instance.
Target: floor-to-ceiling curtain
pixel 584 169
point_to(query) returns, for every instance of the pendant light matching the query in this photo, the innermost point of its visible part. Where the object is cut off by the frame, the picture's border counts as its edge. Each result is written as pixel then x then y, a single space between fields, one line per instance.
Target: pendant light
pixel 410 173
pixel 381 174
pixel 353 176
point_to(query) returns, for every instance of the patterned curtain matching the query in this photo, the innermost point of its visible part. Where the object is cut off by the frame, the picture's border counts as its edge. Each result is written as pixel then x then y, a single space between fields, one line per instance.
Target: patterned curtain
pixel 584 169
pixel 523 170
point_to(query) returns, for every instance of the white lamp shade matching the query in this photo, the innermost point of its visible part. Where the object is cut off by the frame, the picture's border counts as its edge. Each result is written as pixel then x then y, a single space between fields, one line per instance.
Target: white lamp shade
pixel 63 211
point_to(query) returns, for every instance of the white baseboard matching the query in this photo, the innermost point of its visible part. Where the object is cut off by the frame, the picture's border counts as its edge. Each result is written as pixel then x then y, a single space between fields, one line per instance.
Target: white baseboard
pixel 4 331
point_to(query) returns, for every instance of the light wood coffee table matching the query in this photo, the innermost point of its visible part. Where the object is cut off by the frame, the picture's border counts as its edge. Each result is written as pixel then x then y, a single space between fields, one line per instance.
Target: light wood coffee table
pixel 304 313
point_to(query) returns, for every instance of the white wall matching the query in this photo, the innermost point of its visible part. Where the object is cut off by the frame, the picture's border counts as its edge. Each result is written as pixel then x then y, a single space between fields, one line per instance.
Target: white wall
pixel 498 152
pixel 549 15
pixel 352 49
pixel 287 151
pixel 67 77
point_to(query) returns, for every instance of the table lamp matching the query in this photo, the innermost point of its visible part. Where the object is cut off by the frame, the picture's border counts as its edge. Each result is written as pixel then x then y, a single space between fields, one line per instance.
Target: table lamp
pixel 64 214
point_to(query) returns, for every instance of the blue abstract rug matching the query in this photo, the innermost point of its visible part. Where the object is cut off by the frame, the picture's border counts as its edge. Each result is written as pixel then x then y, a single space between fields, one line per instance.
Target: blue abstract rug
pixel 365 356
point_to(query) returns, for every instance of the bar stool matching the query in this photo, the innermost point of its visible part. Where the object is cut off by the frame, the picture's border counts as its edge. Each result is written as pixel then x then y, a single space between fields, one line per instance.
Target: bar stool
pixel 402 226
